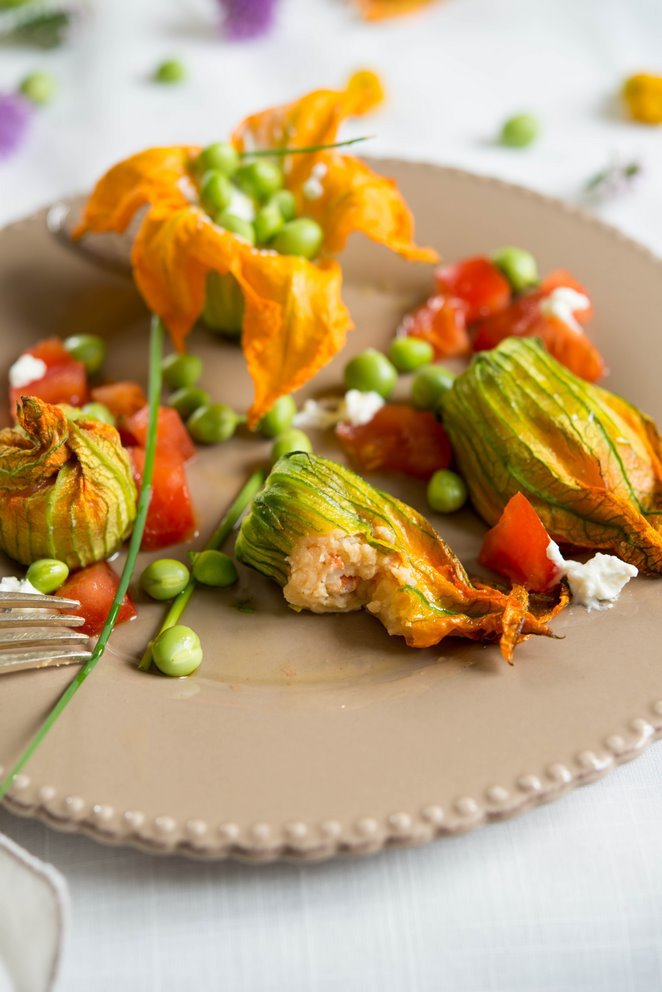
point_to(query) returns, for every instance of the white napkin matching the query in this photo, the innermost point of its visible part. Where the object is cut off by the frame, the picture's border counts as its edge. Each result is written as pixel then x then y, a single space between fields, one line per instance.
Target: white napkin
pixel 34 907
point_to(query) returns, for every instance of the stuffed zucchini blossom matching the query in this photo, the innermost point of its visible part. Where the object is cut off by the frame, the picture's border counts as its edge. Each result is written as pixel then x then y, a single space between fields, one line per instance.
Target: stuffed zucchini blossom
pixel 336 544
pixel 589 462
pixel 291 313
pixel 66 489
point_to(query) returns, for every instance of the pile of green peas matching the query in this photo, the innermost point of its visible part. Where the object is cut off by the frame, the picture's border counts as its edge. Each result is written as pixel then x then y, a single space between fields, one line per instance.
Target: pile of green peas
pixel 248 199
pixel 206 422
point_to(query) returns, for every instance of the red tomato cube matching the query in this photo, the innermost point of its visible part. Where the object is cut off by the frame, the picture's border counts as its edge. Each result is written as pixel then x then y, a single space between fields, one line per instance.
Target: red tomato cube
pixel 170 518
pixel 122 398
pixel 517 547
pixel 95 588
pixel 398 438
pixel 171 434
pixel 442 322
pixel 65 383
pixel 478 283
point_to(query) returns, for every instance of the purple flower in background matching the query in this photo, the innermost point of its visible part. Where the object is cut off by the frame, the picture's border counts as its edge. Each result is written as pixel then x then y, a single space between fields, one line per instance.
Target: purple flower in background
pixel 244 19
pixel 15 114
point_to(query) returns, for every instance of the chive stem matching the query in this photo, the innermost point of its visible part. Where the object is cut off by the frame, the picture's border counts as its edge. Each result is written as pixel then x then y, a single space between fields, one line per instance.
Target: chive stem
pixel 154 396
pixel 270 152
pixel 215 542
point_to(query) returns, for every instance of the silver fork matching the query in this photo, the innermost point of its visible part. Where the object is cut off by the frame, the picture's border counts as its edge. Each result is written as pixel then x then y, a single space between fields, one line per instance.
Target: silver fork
pixel 35 634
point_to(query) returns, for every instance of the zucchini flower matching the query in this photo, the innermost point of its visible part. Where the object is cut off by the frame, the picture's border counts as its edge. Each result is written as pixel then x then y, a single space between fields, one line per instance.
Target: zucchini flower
pixel 66 489
pixel 336 544
pixel 588 461
pixel 284 297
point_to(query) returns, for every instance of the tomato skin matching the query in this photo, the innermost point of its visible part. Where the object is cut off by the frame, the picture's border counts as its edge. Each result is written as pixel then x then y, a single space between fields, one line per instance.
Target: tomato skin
pixel 65 380
pixel 122 398
pixel 441 321
pixel 171 434
pixel 517 547
pixel 398 438
pixel 95 588
pixel 478 284
pixel 170 518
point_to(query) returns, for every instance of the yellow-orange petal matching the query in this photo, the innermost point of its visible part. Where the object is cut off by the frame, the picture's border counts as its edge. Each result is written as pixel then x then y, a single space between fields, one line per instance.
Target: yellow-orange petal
pixel 154 176
pixel 314 119
pixel 377 10
pixel 355 198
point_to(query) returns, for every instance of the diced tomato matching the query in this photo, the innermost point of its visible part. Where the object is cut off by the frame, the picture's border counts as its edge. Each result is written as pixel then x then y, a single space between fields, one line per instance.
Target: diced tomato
pixel 122 398
pixel 50 351
pixel 95 588
pixel 65 383
pixel 517 547
pixel 398 438
pixel 170 517
pixel 441 321
pixel 478 283
pixel 171 434
pixel 560 278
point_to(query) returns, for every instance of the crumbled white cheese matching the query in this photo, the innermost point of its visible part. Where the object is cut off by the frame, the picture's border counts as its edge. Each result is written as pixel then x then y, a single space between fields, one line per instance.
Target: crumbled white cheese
pixel 9 583
pixel 241 205
pixel 187 188
pixel 562 303
pixel 595 584
pixel 355 407
pixel 25 370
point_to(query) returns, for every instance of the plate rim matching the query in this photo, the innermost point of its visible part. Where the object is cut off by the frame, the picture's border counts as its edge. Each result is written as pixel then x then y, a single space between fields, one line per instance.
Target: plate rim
pixel 300 841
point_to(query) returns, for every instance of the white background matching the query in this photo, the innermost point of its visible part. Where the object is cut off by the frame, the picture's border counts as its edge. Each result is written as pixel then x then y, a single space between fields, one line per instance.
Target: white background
pixel 567 898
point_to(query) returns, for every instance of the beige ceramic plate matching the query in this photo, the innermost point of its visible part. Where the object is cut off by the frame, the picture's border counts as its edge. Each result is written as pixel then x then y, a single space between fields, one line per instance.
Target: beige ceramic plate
pixel 304 735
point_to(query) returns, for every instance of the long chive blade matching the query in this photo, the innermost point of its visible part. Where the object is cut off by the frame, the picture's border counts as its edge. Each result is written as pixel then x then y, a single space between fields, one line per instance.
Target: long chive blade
pixel 215 542
pixel 154 396
pixel 270 152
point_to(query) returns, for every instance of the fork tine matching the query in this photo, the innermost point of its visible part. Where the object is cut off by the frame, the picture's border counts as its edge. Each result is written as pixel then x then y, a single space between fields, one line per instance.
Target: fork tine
pixel 23 660
pixel 36 636
pixel 24 600
pixel 37 618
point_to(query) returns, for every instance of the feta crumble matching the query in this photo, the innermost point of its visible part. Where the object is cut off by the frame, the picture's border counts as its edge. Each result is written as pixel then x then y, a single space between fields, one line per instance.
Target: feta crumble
pixel 597 583
pixel 25 370
pixel 355 407
pixel 9 583
pixel 563 303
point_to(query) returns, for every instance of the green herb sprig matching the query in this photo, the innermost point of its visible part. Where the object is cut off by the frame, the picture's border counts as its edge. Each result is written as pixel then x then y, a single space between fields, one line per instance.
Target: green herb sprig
pixel 215 542
pixel 154 396
pixel 306 149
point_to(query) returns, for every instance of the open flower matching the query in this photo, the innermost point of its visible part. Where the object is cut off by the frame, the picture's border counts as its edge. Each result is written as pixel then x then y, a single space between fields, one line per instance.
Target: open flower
pixel 66 490
pixel 294 320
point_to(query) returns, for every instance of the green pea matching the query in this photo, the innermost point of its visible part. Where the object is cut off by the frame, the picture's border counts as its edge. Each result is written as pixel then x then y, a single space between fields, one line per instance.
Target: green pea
pixel 212 423
pixel 268 222
pixel 371 371
pixel 177 651
pixel 429 385
pixel 518 266
pixel 97 411
pixel 289 441
pixel 88 349
pixel 38 87
pixel 215 192
pixel 214 568
pixel 170 71
pixel 302 236
pixel 181 370
pixel 47 574
pixel 520 131
pixel 285 202
pixel 447 491
pixel 164 578
pixel 279 418
pixel 221 157
pixel 409 354
pixel 237 225
pixel 188 399
pixel 259 179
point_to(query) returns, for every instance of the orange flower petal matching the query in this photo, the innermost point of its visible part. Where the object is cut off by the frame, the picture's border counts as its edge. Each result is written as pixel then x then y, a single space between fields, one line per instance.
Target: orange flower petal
pixel 377 10
pixel 156 175
pixel 355 198
pixel 294 321
pixel 312 120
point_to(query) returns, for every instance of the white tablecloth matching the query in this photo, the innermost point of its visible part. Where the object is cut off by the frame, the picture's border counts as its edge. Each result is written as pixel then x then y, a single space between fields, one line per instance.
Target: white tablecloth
pixel 567 898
